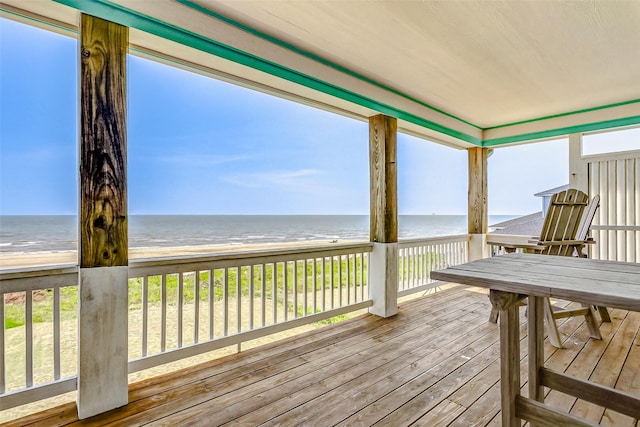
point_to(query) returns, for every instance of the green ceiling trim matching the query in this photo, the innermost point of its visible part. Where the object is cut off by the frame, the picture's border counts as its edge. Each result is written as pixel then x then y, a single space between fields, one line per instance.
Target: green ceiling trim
pixel 571 113
pixel 124 16
pixel 319 59
pixel 587 127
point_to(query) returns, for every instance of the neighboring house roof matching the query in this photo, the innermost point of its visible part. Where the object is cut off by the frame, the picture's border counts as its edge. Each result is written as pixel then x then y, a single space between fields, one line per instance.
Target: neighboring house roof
pixel 552 191
pixel 528 225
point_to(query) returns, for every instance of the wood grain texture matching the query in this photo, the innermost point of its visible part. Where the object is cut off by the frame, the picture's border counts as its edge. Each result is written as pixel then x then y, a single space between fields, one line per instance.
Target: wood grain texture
pixel 478 217
pixel 616 400
pixel 545 416
pixel 606 283
pixel 383 179
pixel 509 363
pixel 103 240
pixel 439 350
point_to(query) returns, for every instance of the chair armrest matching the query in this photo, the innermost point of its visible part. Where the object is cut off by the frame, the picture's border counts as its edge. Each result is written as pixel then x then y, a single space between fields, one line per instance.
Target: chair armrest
pixel 517 245
pixel 567 242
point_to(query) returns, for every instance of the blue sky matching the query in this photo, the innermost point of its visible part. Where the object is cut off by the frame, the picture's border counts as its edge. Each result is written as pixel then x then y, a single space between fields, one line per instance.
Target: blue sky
pixel 200 146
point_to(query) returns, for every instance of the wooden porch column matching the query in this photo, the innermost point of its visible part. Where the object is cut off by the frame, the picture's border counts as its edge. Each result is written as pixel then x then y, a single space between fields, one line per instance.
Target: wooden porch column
pixel 103 241
pixel 578 169
pixel 478 218
pixel 383 268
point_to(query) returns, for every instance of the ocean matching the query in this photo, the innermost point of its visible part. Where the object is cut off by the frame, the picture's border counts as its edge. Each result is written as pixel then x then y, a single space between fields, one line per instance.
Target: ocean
pixel 21 234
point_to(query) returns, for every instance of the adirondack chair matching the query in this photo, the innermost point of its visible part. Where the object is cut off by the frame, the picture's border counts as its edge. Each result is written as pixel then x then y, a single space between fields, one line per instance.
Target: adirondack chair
pixel 565 232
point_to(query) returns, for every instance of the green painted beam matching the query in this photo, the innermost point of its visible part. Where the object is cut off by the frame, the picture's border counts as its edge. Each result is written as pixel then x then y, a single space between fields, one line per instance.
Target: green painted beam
pixel 587 127
pixel 119 14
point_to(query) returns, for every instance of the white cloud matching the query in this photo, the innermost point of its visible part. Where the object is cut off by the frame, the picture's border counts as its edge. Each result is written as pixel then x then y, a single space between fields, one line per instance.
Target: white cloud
pixel 294 180
pixel 193 160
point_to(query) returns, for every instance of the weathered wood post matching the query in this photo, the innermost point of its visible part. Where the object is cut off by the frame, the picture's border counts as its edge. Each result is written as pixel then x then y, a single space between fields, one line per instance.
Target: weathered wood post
pixel 478 217
pixel 383 266
pixel 103 241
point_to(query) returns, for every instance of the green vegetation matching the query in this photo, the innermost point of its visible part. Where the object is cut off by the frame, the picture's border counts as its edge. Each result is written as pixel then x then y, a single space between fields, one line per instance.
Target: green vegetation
pixel 414 264
pixel 14 310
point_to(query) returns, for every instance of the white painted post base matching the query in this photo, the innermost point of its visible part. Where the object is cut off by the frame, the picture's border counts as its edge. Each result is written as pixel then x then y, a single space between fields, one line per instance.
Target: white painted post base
pixel 478 248
pixel 102 340
pixel 383 279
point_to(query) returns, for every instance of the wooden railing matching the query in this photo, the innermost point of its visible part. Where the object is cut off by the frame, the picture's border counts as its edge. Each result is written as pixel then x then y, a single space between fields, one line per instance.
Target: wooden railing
pixel 192 305
pixel 417 258
pixel 184 306
pixel 615 177
pixel 39 312
pixel 178 307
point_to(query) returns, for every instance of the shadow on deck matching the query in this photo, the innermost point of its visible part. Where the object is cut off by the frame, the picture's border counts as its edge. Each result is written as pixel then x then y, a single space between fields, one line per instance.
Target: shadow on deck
pixel 435 363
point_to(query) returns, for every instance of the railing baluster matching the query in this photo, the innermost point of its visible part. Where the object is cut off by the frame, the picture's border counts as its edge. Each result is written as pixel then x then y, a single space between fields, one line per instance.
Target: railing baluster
pixel 274 291
pixel 295 289
pixel 412 268
pixel 285 293
pixel 324 283
pixel 163 312
pixel 56 333
pixel 3 375
pixel 315 285
pixel 331 282
pixel 28 322
pixel 263 294
pixel 145 314
pixel 362 280
pixel 354 277
pixel 225 298
pixel 340 281
pixel 212 275
pixel 196 306
pixel 238 300
pixel 347 278
pixel 305 290
pixel 180 301
pixel 251 295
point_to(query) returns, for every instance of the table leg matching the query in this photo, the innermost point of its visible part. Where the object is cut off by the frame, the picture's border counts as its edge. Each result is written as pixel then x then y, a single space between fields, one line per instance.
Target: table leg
pixel 509 363
pixel 536 347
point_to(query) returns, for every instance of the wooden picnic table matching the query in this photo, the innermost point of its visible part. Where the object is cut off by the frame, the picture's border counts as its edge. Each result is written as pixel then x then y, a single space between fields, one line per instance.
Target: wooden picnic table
pixel 514 277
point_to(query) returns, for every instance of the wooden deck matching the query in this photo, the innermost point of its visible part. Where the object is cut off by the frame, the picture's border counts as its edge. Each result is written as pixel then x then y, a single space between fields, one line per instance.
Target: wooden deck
pixel 435 363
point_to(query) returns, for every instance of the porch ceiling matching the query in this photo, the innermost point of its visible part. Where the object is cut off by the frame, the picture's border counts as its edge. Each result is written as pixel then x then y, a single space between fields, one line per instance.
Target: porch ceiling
pixel 454 71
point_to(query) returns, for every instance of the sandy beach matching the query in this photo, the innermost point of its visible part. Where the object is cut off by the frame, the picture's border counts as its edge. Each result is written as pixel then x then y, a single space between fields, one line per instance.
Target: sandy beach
pixel 10 261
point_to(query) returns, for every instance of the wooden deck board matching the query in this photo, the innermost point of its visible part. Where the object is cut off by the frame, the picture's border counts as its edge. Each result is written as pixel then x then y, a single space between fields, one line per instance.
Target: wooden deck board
pixel 435 363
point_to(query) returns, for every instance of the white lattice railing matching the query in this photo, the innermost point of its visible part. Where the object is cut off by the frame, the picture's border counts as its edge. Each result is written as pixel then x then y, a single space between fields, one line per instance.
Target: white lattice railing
pixel 417 258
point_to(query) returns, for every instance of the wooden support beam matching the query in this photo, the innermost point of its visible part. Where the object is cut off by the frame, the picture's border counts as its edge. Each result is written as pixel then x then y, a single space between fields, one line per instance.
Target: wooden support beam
pixel 103 243
pixel 383 179
pixel 477 208
pixel 103 140
pixel 383 270
pixel 478 217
